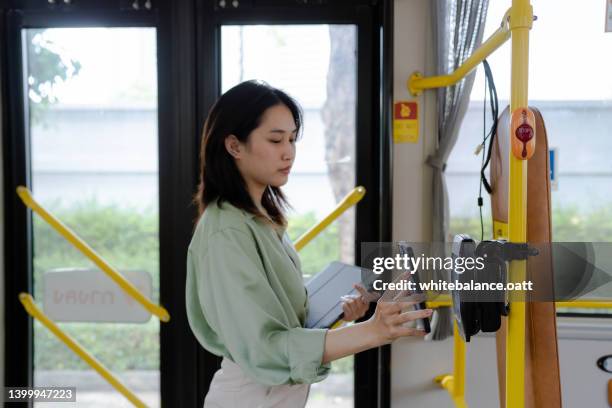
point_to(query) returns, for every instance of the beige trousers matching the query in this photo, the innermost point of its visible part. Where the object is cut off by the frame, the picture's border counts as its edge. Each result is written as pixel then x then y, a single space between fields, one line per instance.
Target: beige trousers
pixel 231 388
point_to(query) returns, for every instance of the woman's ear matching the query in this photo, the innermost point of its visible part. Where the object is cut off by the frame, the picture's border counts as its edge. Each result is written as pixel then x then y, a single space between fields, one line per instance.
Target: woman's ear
pixel 232 145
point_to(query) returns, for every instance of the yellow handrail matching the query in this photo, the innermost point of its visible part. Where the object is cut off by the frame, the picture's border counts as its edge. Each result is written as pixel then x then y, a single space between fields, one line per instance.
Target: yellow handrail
pixel 33 310
pixel 585 304
pixel 417 83
pixel 78 243
pixel 347 202
pixel 574 304
pixel 455 383
pixel 521 20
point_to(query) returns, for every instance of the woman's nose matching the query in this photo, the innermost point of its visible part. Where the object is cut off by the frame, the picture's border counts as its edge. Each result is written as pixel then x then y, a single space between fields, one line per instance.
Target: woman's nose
pixel 288 151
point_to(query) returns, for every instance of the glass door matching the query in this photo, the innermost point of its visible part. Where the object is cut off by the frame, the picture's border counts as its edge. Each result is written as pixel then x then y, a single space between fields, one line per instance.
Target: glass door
pixel 315 64
pixel 92 126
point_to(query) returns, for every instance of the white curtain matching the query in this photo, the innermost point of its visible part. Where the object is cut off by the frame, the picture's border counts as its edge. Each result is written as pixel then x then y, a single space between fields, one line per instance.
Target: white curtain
pixel 459 26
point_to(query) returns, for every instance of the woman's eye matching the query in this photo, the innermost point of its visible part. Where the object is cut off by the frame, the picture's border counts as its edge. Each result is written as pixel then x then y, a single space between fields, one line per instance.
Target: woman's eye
pixel 275 141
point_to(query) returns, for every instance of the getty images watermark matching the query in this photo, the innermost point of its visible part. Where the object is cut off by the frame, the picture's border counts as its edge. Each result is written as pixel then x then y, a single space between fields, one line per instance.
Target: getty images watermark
pixel 553 271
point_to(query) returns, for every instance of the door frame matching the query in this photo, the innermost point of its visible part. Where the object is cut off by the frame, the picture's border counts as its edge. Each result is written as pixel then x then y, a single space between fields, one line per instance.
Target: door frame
pixel 374 95
pixel 178 372
pixel 188 84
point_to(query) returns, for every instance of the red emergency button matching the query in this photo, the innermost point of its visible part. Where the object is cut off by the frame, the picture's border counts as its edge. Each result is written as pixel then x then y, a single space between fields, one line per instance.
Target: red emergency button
pixel 524 134
pixel 523 142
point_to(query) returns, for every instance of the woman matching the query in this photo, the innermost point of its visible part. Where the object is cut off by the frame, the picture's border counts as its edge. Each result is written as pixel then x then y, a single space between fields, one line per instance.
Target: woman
pixel 246 300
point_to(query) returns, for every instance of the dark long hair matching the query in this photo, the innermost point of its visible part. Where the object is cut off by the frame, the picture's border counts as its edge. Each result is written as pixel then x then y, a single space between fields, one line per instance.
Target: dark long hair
pixel 238 112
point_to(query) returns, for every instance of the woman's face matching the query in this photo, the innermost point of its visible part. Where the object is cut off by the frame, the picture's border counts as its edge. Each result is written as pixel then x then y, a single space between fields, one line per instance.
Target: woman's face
pixel 267 156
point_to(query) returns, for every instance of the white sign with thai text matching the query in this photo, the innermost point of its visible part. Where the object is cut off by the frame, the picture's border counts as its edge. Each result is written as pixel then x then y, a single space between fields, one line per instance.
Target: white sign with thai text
pixel 89 295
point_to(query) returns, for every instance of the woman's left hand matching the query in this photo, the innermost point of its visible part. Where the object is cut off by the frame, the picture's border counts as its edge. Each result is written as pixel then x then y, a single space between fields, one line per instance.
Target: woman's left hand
pixel 356 306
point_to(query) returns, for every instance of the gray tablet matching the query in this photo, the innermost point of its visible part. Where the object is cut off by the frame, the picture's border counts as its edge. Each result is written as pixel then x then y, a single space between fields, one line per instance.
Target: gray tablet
pixel 325 290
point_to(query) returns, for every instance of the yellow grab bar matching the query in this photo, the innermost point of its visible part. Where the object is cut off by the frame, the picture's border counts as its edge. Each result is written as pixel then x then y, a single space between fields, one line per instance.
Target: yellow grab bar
pixel 78 243
pixel 574 304
pixel 455 383
pixel 417 83
pixel 33 310
pixel 586 304
pixel 521 20
pixel 347 202
pixel 458 364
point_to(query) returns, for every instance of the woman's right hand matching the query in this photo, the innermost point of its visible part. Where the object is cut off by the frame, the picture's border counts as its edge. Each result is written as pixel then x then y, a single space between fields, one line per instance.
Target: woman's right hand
pixel 385 325
pixel 393 310
pixel 389 319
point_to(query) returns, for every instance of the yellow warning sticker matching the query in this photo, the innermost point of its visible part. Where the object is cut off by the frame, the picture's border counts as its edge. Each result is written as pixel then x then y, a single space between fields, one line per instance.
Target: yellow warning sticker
pixel 500 230
pixel 406 122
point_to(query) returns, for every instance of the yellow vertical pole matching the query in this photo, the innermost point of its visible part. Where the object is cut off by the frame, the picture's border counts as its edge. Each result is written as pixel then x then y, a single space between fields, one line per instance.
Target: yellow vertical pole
pixel 458 363
pixel 521 20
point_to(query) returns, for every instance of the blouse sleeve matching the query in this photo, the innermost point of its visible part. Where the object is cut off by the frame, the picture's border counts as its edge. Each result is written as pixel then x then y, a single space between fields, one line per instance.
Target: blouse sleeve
pixel 248 318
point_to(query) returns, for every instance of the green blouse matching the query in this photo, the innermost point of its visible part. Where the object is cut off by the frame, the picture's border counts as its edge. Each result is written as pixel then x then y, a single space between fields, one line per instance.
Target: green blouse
pixel 246 299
